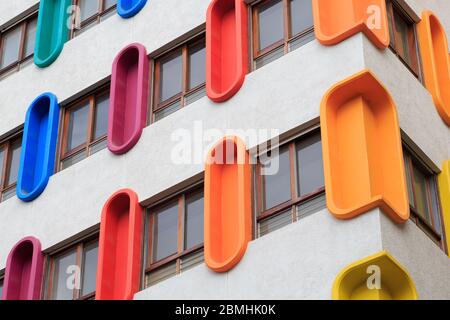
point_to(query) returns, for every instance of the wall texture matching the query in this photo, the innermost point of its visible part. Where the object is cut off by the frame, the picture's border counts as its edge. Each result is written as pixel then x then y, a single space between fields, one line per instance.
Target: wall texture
pixel 283 95
pixel 308 255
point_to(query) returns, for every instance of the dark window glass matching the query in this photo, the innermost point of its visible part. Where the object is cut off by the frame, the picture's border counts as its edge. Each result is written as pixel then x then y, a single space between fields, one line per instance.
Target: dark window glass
pixel 88 8
pixel 1 288
pixel 101 116
pixel 16 147
pixel 408 182
pixel 402 32
pixel 310 165
pixel 277 187
pixel 109 3
pixel 420 184
pixel 403 37
pixel 65 280
pixel 2 159
pixel 179 78
pixel 435 206
pixel 194 221
pixel 170 77
pixel 296 190
pixel 30 38
pixel 271 29
pixel 197 66
pixel 423 198
pixel 301 15
pixel 89 269
pixel 10 47
pixel 78 122
pixel 165 231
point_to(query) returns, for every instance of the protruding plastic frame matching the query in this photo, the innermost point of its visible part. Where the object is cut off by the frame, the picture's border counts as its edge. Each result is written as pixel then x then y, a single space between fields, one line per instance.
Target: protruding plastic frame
pixel 226 48
pixel 119 256
pixel 387 278
pixel 444 192
pixel 362 149
pixel 435 62
pixel 129 8
pixel 228 215
pixel 37 158
pixel 335 21
pixel 24 267
pixel 128 98
pixel 52 31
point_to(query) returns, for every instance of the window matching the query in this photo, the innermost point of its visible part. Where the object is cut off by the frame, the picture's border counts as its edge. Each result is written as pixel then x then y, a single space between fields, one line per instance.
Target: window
pixel 403 37
pixel 423 198
pixel 17 45
pixel 179 78
pixel 85 125
pixel 91 12
pixel 175 236
pixel 9 165
pixel 280 26
pixel 1 283
pixel 290 184
pixel 72 272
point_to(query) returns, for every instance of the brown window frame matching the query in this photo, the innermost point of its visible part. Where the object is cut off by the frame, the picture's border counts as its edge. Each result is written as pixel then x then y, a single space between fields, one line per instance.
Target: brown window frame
pixel 182 253
pixel 157 106
pixel 6 165
pixel 77 247
pixel 2 281
pixel 395 10
pixel 90 140
pixel 427 227
pixel 265 214
pixel 22 59
pixel 289 38
pixel 97 18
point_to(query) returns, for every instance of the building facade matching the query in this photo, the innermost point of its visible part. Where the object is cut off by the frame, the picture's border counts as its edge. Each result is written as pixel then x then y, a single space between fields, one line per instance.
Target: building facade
pixel 224 149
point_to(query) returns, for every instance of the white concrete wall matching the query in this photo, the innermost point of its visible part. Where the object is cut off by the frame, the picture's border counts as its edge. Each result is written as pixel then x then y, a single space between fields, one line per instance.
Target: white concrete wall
pixel 283 95
pixel 299 261
pixel 426 263
pixel 302 260
pixel 258 105
pixel 11 9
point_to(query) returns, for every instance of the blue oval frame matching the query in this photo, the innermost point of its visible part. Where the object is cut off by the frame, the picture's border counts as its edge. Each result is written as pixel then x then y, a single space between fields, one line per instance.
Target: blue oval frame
pixel 136 6
pixel 37 157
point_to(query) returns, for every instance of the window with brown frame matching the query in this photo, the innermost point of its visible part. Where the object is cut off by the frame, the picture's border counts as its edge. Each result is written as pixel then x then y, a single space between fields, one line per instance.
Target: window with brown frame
pixel 174 236
pixel 72 272
pixel 84 128
pixel 289 183
pixel 403 37
pixel 17 45
pixel 424 198
pixel 9 165
pixel 280 26
pixel 90 13
pixel 2 274
pixel 179 78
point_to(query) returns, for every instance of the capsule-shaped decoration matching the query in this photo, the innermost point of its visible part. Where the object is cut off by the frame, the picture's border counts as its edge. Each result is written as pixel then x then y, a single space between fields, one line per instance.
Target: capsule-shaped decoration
pixel 436 62
pixel 228 215
pixel 226 48
pixel 24 267
pixel 119 255
pixel 444 192
pixel 335 21
pixel 37 158
pixel 391 281
pixel 129 8
pixel 362 150
pixel 52 31
pixel 128 98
